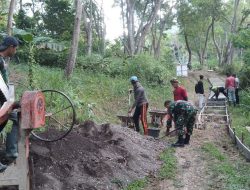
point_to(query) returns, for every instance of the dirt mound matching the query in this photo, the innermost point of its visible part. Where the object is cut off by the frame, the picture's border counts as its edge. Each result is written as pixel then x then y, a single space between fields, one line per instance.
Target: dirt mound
pixel 94 157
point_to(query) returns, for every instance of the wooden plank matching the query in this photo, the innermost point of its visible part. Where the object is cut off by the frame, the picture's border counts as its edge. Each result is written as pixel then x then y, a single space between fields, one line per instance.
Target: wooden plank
pixel 214 115
pixel 18 172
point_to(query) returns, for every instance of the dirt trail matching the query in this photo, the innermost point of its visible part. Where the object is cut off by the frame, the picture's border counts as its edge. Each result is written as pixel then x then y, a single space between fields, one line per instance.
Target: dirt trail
pixel 192 172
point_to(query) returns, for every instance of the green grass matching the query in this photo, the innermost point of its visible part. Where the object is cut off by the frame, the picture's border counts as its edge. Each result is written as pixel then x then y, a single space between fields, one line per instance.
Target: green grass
pixel 213 151
pixel 167 171
pixel 106 95
pixel 137 184
pixel 169 167
pixel 240 119
pixel 234 175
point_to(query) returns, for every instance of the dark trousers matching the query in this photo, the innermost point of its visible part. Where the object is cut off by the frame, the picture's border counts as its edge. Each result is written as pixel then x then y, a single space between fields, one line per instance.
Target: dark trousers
pixel 12 136
pixel 237 96
pixel 141 112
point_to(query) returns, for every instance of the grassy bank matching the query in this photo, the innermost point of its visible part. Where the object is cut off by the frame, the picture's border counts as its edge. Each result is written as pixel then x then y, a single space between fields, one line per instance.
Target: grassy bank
pixel 240 119
pixel 105 95
pixel 227 174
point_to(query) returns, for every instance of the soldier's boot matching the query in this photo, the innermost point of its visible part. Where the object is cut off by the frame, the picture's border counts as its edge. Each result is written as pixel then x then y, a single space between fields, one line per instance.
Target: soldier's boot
pixel 2 167
pixel 187 138
pixel 180 142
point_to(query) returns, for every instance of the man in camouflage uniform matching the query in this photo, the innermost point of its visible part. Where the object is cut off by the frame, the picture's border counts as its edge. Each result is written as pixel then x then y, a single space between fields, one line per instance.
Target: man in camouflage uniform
pixel 183 113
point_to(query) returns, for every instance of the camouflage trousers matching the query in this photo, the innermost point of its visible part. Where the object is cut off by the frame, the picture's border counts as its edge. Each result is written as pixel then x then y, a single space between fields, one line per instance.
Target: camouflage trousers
pixel 184 120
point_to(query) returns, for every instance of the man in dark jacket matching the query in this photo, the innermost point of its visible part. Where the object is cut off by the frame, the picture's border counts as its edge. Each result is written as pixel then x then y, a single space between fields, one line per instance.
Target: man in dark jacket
pixel 8 49
pixel 140 105
pixel 199 90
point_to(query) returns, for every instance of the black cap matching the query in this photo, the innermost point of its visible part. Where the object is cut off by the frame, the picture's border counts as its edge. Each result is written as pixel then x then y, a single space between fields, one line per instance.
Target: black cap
pixel 8 41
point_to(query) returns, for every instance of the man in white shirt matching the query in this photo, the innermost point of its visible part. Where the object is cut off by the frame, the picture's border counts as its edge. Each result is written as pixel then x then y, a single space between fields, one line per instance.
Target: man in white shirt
pixel 237 86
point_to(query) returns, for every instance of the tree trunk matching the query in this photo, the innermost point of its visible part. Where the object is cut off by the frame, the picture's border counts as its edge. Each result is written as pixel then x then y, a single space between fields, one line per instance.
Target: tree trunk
pixel 10 17
pixel 125 49
pixel 218 51
pixel 130 26
pixel 74 45
pixel 189 51
pixel 21 4
pixel 88 31
pixel 146 28
pixel 103 30
pixel 205 45
pixel 229 52
pixel 89 40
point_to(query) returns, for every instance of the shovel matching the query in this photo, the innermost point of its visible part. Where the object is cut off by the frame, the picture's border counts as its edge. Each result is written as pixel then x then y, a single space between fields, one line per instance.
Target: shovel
pixel 129 102
pixel 170 132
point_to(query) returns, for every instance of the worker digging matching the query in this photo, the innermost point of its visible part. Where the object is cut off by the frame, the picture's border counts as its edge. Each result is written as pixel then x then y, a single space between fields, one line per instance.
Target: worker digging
pixel 140 105
pixel 183 113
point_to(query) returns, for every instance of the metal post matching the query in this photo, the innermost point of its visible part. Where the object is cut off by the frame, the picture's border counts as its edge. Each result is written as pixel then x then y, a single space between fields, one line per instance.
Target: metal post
pixel 242 137
pixel 234 136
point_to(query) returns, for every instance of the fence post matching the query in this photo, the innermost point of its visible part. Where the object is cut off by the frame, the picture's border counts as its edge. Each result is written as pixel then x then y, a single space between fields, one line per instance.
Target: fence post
pixel 242 137
pixel 234 136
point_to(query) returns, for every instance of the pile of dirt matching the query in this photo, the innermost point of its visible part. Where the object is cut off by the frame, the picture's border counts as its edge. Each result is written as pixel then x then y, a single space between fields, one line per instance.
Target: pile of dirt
pixel 94 157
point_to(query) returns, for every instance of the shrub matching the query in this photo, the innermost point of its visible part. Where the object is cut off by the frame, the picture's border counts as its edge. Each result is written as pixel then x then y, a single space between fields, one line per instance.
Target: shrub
pixel 93 63
pixel 246 57
pixel 244 77
pixel 212 64
pixel 144 66
pixel 52 58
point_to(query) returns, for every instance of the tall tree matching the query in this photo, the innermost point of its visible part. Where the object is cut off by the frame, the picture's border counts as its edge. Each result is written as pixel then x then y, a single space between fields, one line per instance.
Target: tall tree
pixel 139 17
pixel 195 20
pixel 229 51
pixel 163 22
pixel 10 17
pixel 87 22
pixel 74 45
pixel 58 19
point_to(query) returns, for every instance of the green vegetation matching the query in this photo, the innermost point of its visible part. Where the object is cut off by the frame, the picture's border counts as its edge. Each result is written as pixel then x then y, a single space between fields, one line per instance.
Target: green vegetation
pixel 234 174
pixel 213 151
pixel 240 119
pixel 137 185
pixel 107 96
pixel 168 169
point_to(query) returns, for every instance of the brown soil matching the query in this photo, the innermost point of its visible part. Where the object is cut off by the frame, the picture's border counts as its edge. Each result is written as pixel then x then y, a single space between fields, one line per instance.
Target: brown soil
pixel 94 157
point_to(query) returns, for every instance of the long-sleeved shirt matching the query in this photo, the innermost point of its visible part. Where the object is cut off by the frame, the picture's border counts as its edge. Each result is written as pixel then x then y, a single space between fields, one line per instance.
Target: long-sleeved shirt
pixel 3 70
pixel 200 88
pixel 237 82
pixel 178 108
pixel 139 95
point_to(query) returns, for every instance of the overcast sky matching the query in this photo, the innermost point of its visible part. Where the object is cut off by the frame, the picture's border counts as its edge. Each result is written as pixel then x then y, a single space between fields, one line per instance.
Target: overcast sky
pixel 112 19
